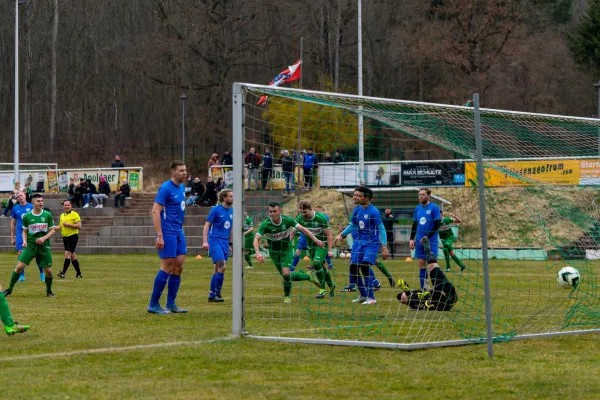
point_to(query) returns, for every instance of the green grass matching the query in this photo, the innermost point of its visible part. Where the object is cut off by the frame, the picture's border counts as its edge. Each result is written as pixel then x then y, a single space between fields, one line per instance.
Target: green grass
pixel 78 344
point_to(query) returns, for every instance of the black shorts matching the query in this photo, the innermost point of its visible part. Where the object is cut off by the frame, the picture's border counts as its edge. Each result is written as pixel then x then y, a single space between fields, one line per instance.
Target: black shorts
pixel 70 242
pixel 443 293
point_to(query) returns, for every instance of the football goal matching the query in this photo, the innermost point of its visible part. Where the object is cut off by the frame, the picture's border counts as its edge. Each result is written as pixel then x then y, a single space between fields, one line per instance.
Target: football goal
pixel 507 227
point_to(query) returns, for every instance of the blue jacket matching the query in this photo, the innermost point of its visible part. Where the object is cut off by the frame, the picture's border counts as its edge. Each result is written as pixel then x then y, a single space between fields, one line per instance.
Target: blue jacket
pixel 310 160
pixel 268 161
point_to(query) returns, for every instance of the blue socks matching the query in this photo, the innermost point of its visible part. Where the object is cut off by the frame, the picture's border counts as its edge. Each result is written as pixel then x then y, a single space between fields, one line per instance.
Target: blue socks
pixel 216 283
pixel 173 286
pixel 328 259
pixel 295 261
pixel 220 277
pixel 422 277
pixel 159 285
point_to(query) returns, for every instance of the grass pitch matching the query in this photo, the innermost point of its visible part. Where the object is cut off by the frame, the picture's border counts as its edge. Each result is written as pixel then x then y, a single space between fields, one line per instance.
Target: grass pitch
pixel 95 340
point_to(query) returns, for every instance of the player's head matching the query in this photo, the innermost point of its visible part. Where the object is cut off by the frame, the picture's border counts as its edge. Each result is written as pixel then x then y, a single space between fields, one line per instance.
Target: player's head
pixel 274 210
pixel 305 208
pixel 362 195
pixel 21 198
pixel 388 211
pixel 67 206
pixel 37 201
pixel 319 209
pixel 178 171
pixel 424 194
pixel 226 197
pixel 402 297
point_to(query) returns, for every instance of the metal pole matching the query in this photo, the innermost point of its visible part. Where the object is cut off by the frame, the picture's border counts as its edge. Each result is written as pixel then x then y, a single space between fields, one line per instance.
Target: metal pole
pixel 238 215
pixel 299 123
pixel 183 99
pixel 361 139
pixel 597 84
pixel 16 146
pixel 484 244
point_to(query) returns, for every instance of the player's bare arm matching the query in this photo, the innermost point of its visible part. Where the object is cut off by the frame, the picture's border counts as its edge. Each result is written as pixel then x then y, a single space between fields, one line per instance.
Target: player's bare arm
pixel 329 242
pixel 13 228
pixel 156 210
pixel 256 244
pixel 310 235
pixel 47 236
pixel 205 235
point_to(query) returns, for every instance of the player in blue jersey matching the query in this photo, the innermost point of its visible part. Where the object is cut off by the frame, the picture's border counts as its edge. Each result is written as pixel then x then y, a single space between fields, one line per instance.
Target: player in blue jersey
pixel 301 250
pixel 425 228
pixel 217 239
pixel 370 239
pixel 16 228
pixel 167 217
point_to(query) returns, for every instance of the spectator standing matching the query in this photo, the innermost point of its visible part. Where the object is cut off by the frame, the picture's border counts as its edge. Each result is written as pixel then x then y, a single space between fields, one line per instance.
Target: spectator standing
pixel 267 168
pixel 287 167
pixel 122 193
pixel 227 158
pixel 118 163
pixel 252 161
pixel 388 223
pixel 214 160
pixel 12 200
pixel 90 190
pixel 338 157
pixel 103 192
pixel 197 192
pixel 328 157
pixel 309 164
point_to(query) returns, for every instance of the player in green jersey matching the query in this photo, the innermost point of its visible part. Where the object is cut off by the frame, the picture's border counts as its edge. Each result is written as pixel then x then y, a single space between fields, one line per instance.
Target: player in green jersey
pixel 276 230
pixel 248 239
pixel 38 228
pixel 10 327
pixel 318 225
pixel 447 237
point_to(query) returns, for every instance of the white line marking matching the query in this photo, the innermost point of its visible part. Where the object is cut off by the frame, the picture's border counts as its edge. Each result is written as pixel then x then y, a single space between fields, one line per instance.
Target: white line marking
pixel 113 349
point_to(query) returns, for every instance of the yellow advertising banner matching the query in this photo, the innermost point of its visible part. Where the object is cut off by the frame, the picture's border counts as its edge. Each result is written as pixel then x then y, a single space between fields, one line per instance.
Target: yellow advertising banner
pixel 525 173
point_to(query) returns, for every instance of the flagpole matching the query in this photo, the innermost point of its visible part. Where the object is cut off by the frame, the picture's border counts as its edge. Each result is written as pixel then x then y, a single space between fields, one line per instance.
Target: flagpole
pixel 361 139
pixel 299 121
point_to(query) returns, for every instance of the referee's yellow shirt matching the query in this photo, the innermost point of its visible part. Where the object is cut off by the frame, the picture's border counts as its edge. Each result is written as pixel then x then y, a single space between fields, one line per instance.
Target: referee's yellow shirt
pixel 70 218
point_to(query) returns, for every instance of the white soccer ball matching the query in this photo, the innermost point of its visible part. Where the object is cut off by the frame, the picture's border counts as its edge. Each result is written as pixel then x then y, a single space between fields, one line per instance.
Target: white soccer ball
pixel 342 255
pixel 568 278
pixel 348 255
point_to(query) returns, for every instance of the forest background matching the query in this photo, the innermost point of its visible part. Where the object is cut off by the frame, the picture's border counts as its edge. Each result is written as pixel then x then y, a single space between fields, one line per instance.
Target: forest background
pixel 101 77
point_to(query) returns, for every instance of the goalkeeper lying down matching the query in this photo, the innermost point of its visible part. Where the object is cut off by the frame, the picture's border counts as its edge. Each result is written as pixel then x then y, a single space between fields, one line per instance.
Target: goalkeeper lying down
pixel 441 298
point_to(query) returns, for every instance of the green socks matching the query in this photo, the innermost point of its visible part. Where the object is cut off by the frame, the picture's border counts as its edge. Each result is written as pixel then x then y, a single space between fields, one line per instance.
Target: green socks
pixel 13 279
pixel 300 276
pixel 5 314
pixel 49 284
pixel 383 269
pixel 447 257
pixel 287 285
pixel 328 277
pixel 457 260
pixel 248 259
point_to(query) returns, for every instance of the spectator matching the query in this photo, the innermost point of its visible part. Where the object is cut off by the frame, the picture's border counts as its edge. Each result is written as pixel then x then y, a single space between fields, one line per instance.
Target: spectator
pixel 28 192
pixel 12 200
pixel 197 192
pixel 220 185
pixel 188 186
pixel 210 195
pixel 287 167
pixel 103 192
pixel 379 176
pixel 309 164
pixel 214 160
pixel 118 163
pixel 79 191
pixel 328 157
pixel 252 161
pixel 122 193
pixel 227 158
pixel 338 157
pixel 267 168
pixel 90 190
pixel 71 190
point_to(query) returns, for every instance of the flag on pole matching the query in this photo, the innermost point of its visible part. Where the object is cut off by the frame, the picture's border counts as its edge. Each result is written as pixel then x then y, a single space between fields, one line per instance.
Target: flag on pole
pixel 290 74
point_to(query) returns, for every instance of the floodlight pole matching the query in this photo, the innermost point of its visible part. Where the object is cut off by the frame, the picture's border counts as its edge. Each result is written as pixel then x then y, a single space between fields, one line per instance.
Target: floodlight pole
pixel 183 99
pixel 361 139
pixel 238 328
pixel 484 243
pixel 16 145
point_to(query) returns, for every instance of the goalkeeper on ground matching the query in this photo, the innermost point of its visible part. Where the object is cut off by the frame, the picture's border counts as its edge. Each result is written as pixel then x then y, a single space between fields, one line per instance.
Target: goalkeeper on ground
pixel 441 298
pixel 447 237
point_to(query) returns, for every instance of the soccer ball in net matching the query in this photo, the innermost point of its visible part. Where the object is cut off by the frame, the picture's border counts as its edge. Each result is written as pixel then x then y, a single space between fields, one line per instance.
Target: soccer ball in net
pixel 342 255
pixel 567 277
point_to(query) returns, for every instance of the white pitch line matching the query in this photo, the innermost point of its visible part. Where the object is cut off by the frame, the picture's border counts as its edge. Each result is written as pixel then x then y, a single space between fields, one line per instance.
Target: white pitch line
pixel 112 349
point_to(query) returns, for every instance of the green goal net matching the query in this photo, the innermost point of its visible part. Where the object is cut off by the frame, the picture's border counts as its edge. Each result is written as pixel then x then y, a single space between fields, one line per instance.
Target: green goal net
pixel 541 195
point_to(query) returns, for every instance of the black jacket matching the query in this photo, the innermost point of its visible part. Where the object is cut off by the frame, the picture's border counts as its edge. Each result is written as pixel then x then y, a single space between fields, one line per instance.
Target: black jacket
pixel 227 159
pixel 287 164
pixel 125 189
pixel 197 188
pixel 104 188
